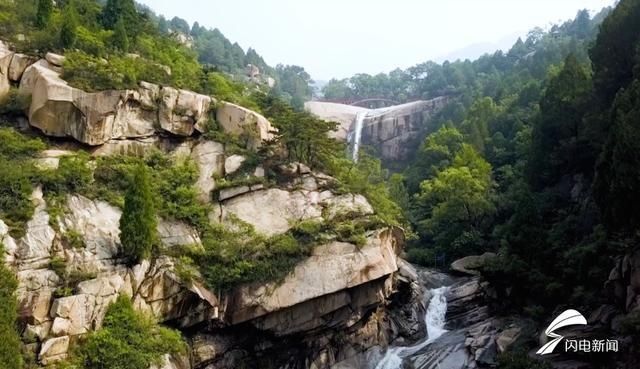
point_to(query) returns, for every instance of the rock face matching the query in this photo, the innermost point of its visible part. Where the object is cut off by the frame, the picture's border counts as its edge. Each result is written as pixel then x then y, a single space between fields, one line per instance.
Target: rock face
pixel 94 119
pixel 331 268
pixel 274 211
pixel 389 130
pixel 340 289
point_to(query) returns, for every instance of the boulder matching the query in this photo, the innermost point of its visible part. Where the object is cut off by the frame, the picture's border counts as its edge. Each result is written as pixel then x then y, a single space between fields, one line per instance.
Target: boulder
pixel 347 204
pixel 34 294
pixel 73 315
pixel 209 157
pixel 236 120
pixel 469 264
pixel 18 65
pixel 55 59
pixel 233 163
pixel 180 111
pixel 54 349
pixel 507 338
pixel 331 268
pixel 50 159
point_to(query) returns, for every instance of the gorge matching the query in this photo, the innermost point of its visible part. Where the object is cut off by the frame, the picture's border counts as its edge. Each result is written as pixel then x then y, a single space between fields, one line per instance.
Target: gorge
pixel 168 200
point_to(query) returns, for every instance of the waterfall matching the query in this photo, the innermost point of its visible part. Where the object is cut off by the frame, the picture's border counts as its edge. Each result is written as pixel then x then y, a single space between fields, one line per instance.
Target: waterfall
pixel 434 320
pixel 356 134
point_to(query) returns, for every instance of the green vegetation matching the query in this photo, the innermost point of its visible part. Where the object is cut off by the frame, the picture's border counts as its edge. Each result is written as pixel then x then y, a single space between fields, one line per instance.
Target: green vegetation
pixel 535 158
pixel 138 222
pixel 10 353
pixel 127 339
pixel 17 175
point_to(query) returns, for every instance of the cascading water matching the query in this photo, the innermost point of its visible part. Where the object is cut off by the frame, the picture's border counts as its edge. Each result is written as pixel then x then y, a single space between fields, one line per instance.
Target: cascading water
pixel 434 320
pixel 356 135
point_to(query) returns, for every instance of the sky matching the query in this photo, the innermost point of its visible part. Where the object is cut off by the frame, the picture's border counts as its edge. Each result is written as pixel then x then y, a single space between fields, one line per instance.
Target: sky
pixel 339 38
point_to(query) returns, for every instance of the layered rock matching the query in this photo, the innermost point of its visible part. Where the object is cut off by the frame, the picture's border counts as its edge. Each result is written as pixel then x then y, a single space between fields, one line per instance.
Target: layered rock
pixel 331 268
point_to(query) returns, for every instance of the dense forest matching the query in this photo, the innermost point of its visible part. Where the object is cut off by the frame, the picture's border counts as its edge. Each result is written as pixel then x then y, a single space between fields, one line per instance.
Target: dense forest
pixel 536 159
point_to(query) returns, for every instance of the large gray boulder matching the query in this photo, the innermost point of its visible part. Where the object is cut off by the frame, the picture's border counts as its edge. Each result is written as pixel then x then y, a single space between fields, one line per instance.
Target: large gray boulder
pixel 236 120
pixel 471 264
pixel 95 118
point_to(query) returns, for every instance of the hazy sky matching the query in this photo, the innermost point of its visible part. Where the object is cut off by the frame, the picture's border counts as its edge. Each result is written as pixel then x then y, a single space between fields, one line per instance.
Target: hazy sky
pixel 338 38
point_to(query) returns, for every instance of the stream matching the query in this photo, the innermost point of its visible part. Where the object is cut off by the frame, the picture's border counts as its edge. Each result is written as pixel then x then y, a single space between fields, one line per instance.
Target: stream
pixel 434 320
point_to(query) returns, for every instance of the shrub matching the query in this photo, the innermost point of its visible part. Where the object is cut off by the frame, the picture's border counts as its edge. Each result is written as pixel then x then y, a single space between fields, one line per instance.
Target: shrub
pixel 14 145
pixel 59 266
pixel 14 103
pixel 10 355
pixel 128 339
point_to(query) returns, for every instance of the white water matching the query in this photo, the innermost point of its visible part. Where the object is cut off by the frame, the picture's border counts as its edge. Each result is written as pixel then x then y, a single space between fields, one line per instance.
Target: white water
pixel 434 319
pixel 357 134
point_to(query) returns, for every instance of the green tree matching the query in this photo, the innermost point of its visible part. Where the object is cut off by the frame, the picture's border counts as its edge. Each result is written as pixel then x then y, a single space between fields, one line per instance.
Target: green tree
pixel 10 355
pixel 437 152
pixel 558 146
pixel 120 38
pixel 68 30
pixel 458 203
pixel 618 171
pixel 114 10
pixel 43 14
pixel 138 222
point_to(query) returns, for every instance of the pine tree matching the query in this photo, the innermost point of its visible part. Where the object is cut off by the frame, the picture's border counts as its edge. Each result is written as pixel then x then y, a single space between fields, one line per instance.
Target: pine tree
pixel 120 38
pixel 116 9
pixel 68 33
pixel 10 356
pixel 138 222
pixel 43 14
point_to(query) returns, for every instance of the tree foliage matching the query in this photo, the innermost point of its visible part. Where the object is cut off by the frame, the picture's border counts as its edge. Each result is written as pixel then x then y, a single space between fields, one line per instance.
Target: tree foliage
pixel 138 223
pixel 43 15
